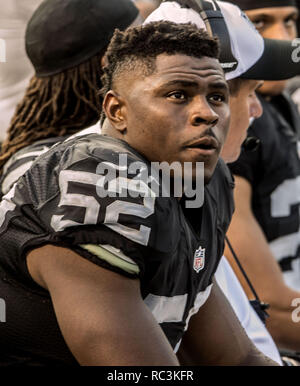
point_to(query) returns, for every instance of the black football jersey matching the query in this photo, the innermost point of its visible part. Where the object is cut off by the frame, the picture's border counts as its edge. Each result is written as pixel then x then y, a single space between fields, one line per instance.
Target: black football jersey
pixel 173 251
pixel 22 160
pixel 274 174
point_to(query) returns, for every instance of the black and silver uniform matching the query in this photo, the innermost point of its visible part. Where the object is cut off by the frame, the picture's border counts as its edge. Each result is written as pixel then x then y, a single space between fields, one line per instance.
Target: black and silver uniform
pixel 274 174
pixel 22 160
pixel 174 251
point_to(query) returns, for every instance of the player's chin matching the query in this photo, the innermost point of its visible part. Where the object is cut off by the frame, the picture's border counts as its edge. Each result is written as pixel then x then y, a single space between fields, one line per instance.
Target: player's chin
pixel 208 173
pixel 198 162
pixel 207 170
pixel 210 166
pixel 196 155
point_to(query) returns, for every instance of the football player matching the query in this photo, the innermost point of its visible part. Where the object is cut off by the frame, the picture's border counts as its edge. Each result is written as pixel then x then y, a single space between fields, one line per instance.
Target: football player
pixel 248 88
pixel 265 228
pixel 294 84
pixel 62 97
pixel 244 106
pixel 97 274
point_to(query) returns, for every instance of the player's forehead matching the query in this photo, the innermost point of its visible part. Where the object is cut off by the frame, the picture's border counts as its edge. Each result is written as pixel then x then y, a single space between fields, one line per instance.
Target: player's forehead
pixel 250 85
pixel 275 13
pixel 184 67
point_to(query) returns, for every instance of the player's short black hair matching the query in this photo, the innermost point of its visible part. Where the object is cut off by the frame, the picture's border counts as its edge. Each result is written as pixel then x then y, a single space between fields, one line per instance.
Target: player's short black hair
pixel 141 45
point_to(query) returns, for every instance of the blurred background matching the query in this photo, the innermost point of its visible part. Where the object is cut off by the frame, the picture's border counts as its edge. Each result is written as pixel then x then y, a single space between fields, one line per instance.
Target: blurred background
pixel 17 70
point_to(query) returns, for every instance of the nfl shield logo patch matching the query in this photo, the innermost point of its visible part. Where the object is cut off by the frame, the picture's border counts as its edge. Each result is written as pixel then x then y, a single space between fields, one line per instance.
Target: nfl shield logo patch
pixel 199 259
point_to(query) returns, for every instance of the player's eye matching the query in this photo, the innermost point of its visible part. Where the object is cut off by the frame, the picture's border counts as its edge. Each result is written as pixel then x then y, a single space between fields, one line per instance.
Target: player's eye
pixel 252 95
pixel 290 22
pixel 259 23
pixel 218 98
pixel 177 95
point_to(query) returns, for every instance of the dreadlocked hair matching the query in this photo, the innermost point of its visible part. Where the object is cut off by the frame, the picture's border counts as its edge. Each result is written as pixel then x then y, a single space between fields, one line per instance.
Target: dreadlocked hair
pixel 55 106
pixel 138 47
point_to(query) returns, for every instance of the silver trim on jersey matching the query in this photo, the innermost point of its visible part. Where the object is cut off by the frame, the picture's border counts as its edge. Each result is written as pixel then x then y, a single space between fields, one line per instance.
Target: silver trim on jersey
pixel 167 309
pixel 14 175
pixel 6 204
pixel 171 309
pixel 199 302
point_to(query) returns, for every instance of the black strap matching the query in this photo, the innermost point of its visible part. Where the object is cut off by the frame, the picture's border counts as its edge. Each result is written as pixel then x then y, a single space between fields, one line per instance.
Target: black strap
pixel 259 307
pixel 213 18
pixel 241 269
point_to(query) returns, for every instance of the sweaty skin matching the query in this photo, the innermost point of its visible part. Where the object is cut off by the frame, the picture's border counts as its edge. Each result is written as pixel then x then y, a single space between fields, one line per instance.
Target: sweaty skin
pixel 244 105
pixel 161 116
pixel 194 90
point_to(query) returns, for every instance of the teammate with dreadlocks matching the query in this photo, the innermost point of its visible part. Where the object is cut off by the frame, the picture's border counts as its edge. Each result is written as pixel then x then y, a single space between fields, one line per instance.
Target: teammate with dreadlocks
pixel 55 106
pixel 16 71
pixel 175 108
pixel 62 97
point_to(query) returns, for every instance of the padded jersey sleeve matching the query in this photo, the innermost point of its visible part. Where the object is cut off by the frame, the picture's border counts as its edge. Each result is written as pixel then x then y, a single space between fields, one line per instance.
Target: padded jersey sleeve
pixel 21 161
pixel 103 216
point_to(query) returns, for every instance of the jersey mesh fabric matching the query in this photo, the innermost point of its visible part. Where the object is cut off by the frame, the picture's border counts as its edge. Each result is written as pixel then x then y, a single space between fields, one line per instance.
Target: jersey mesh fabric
pixel 156 233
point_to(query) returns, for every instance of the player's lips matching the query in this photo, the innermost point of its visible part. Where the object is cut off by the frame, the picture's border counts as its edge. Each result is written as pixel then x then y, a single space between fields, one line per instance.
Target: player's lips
pixel 204 145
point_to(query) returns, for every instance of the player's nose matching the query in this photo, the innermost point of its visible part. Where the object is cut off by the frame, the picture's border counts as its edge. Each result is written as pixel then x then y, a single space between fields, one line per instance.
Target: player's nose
pixel 280 31
pixel 202 113
pixel 255 107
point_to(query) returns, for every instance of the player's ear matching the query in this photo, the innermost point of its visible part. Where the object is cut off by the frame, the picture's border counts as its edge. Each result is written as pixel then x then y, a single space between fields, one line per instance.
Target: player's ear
pixel 115 110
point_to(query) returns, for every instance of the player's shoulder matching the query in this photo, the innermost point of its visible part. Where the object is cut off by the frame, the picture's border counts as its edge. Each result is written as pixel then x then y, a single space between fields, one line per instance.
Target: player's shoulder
pixel 83 153
pixel 22 160
pixel 31 151
pixel 86 160
pixel 97 181
pixel 95 148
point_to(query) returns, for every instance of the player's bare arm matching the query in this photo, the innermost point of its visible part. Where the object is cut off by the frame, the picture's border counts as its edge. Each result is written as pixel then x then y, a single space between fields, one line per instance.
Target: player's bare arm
pixel 100 313
pixel 244 233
